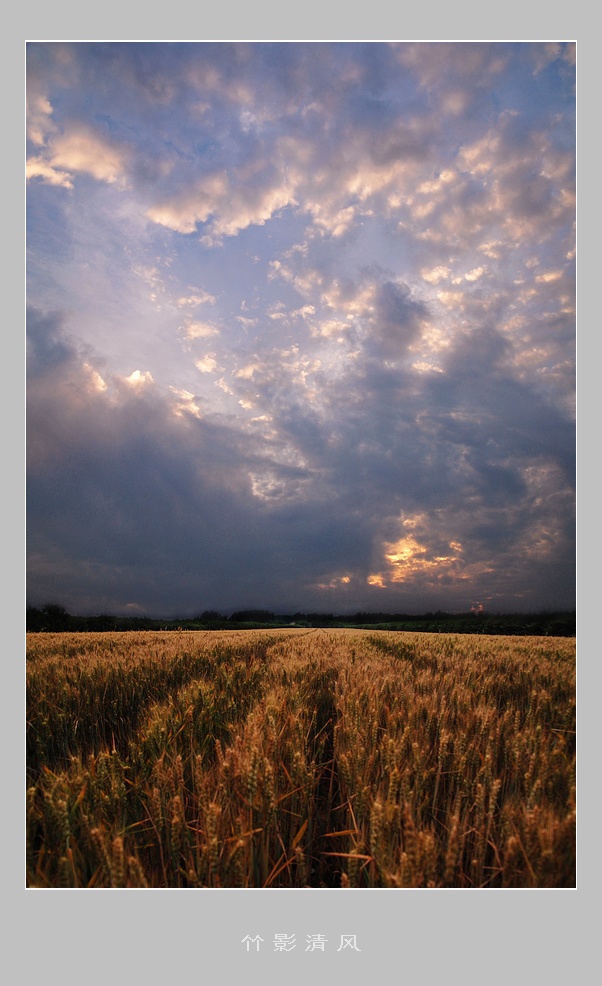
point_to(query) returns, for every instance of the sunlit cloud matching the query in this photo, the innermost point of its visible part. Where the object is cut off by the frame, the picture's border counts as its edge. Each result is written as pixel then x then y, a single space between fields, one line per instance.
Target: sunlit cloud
pixel 97 382
pixel 82 150
pixel 329 328
pixel 39 167
pixel 139 379
pixel 199 330
pixel 186 403
pixel 39 119
pixel 196 299
pixel 435 275
pixel 410 556
pixel 207 364
pixel 475 274
pixel 451 299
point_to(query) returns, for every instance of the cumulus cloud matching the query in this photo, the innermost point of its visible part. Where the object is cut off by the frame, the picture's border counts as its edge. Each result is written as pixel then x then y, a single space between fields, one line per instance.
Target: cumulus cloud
pixel 207 363
pixel 200 330
pixel 39 118
pixel 81 149
pixel 78 149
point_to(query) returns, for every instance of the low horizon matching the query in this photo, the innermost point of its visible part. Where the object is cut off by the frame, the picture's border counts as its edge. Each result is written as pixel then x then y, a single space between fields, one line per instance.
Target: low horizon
pixel 256 613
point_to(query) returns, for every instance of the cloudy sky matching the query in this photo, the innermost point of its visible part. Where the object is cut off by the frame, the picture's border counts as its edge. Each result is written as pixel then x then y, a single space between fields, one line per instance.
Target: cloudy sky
pixel 301 326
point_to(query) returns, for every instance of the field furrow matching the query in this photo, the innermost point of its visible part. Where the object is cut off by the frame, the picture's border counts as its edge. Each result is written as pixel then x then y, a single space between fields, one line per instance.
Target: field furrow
pixel 300 757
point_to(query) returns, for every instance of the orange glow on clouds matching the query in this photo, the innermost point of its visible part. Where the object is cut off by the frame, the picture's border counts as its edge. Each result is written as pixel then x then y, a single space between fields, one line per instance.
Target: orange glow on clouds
pixel 409 557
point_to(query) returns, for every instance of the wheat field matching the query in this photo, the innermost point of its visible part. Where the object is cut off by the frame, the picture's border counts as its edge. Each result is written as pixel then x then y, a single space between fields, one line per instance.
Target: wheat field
pixel 300 758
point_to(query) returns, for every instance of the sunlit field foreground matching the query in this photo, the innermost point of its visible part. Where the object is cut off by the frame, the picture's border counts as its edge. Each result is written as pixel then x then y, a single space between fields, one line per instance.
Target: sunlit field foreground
pixel 300 758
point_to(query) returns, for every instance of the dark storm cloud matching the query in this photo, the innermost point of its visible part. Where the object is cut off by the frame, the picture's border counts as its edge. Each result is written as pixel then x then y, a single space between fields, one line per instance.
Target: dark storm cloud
pixel 143 490
pixel 484 403
pixel 118 483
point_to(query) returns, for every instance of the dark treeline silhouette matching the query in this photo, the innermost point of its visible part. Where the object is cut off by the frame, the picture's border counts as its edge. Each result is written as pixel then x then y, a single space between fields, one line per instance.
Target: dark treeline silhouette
pixel 54 618
pixel 253 616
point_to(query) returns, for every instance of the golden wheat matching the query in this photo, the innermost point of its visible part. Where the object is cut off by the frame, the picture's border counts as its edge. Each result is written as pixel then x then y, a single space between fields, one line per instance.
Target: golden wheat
pixel 295 758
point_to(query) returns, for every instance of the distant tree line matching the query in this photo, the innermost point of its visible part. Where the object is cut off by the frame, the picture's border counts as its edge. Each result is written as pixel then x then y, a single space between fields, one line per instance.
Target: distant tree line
pixel 54 618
